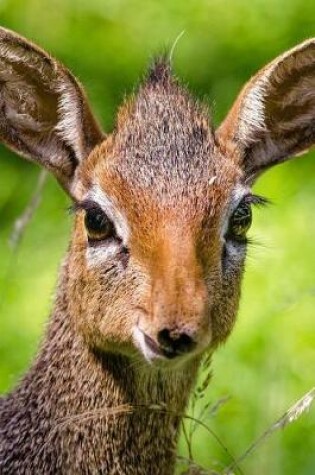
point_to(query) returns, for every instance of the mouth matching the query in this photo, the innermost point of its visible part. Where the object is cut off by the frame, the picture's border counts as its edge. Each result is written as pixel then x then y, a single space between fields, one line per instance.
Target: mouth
pixel 157 349
pixel 152 350
pixel 148 347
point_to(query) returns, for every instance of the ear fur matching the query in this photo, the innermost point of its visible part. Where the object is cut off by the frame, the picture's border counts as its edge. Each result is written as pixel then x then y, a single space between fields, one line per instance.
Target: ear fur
pixel 44 113
pixel 273 118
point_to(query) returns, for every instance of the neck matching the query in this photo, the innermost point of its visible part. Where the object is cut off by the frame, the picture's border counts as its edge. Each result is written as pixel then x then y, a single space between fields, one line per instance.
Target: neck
pixel 79 411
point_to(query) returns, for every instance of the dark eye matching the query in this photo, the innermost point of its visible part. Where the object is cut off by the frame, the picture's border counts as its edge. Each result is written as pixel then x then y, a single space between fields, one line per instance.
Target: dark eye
pixel 240 221
pixel 98 225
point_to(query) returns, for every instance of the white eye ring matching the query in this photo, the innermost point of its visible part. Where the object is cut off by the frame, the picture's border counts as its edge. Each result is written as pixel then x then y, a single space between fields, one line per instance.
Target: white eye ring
pixel 96 256
pixel 111 209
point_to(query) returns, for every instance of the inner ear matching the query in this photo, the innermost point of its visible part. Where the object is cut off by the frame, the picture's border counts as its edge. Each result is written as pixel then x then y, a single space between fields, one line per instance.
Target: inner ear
pixel 44 112
pixel 29 105
pixel 273 117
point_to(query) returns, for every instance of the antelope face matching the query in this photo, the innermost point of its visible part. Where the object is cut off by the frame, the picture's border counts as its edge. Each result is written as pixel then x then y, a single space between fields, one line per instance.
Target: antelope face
pixel 160 238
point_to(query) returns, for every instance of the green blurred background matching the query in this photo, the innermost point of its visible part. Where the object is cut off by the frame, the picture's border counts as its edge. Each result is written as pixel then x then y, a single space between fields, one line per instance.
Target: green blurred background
pixel 269 361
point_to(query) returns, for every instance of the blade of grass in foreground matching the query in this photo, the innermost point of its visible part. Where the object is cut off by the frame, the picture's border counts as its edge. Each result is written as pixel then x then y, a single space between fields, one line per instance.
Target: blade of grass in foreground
pixel 290 416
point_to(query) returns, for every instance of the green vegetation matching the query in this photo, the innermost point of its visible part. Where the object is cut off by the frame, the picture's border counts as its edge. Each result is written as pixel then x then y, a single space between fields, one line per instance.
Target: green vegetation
pixel 268 362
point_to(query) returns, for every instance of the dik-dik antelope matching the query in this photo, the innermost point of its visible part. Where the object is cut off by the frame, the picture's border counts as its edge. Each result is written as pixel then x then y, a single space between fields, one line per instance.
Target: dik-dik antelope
pixel 152 276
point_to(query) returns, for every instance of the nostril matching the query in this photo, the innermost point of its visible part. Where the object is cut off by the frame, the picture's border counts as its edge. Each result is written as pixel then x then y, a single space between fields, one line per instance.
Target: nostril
pixel 175 343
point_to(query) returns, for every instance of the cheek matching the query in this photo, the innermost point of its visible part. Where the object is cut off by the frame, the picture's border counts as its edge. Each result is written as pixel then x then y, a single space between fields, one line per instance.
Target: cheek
pixel 227 296
pixel 104 295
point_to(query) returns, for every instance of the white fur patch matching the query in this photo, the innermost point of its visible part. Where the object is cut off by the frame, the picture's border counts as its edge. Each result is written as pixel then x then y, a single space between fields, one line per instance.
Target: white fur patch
pixel 212 180
pixel 68 126
pixel 112 211
pixel 140 343
pixel 97 255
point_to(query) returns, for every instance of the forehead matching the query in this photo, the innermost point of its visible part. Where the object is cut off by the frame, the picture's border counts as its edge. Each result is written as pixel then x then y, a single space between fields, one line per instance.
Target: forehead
pixel 163 154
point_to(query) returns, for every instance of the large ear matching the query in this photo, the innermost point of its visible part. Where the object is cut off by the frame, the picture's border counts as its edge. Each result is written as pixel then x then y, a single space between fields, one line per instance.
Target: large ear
pixel 44 113
pixel 273 118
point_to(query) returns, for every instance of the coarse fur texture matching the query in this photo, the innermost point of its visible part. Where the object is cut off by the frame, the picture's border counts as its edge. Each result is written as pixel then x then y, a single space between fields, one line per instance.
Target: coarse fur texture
pixel 137 307
pixel 73 412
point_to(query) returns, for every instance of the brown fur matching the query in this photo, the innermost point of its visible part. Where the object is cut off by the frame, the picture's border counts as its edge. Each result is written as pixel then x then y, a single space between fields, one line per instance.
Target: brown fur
pixel 92 402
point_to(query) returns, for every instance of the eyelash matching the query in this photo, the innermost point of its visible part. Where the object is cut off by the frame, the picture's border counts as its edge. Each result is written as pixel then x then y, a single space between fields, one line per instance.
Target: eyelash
pixel 83 205
pixel 257 200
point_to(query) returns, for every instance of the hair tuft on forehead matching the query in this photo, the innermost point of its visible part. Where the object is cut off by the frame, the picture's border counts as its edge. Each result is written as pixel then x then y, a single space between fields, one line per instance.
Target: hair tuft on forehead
pixel 160 72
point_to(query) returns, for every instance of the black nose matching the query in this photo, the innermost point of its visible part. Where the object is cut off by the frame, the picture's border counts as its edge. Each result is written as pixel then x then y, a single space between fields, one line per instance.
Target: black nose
pixel 174 343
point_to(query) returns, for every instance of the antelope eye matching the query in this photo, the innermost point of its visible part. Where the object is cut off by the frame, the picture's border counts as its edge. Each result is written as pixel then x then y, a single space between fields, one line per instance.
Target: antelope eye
pixel 240 221
pixel 98 225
